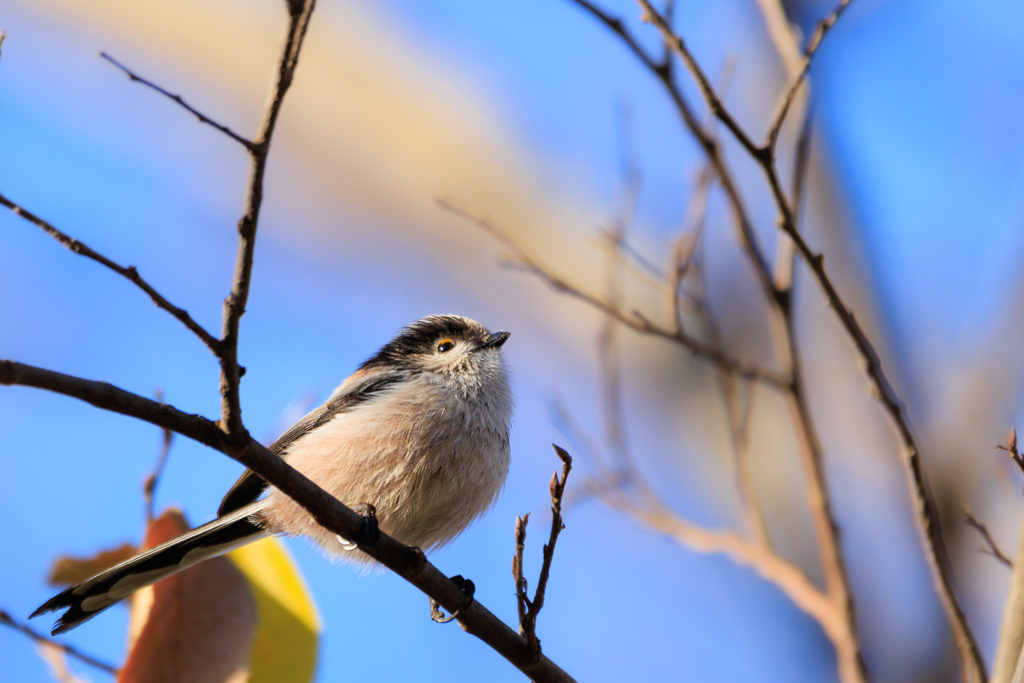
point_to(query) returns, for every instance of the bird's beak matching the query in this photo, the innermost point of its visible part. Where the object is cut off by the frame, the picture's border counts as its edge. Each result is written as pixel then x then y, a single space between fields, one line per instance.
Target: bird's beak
pixel 494 341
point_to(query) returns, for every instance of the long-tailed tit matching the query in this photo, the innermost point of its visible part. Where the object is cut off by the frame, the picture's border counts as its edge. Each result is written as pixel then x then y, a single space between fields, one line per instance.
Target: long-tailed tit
pixel 419 432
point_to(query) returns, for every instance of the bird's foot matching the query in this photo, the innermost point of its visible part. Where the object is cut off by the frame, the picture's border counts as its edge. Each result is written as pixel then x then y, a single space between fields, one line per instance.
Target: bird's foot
pixel 467 588
pixel 370 532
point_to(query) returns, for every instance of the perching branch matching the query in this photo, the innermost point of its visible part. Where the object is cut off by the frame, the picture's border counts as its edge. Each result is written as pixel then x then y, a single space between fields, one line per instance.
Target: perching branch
pixel 7 620
pixel 128 272
pixel 529 609
pixel 327 511
pixel 132 76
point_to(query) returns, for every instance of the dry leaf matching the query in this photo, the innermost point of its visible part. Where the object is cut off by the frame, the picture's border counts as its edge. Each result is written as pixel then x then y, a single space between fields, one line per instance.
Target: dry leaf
pixel 199 625
pixel 67 571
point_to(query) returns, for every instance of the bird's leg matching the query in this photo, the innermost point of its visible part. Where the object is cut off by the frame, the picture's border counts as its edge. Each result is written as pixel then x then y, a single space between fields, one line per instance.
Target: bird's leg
pixel 370 532
pixel 467 588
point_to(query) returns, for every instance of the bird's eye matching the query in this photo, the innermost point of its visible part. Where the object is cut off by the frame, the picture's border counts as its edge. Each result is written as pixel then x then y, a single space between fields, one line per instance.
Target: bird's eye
pixel 445 346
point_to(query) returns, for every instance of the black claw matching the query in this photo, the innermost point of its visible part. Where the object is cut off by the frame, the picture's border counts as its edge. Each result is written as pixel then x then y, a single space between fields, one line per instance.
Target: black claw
pixel 468 589
pixel 370 533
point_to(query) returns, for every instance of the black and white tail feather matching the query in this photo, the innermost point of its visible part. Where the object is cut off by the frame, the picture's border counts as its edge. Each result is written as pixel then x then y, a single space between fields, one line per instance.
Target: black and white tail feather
pixel 94 595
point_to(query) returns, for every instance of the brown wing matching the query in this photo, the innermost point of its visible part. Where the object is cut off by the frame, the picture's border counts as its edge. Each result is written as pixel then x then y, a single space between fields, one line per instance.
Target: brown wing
pixel 251 486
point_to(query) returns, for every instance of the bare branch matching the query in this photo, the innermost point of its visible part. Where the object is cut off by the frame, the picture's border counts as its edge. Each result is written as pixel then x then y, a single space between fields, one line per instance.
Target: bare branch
pixel 824 26
pixel 132 76
pixel 328 512
pixel 678 46
pixel 993 549
pixel 635 321
pixel 153 480
pixel 1011 449
pixel 529 609
pixel 129 272
pixel 7 620
pixel 234 305
pixel 522 598
pixel 785 254
pixel 924 508
pixel 847 645
pixel 926 517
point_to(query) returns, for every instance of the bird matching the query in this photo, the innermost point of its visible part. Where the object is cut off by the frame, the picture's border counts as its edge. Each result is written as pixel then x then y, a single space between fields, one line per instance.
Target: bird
pixel 418 436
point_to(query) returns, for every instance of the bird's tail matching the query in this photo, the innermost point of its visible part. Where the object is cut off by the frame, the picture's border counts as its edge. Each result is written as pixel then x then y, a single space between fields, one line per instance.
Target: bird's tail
pixel 94 595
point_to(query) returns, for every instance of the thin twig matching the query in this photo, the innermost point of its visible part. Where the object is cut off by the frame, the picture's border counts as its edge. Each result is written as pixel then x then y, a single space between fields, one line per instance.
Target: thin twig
pixel 234 304
pixel 785 253
pixel 747 237
pixel 824 26
pixel 522 598
pixel 993 549
pixel 7 620
pixel 676 43
pixel 128 272
pixel 203 118
pixel 327 511
pixel 153 480
pixel 530 609
pixel 635 321
pixel 666 55
pixel 786 37
pixel 1011 449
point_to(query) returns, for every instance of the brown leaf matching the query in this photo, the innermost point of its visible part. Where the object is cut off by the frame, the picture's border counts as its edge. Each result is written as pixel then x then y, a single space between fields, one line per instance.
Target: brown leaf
pixel 67 571
pixel 196 626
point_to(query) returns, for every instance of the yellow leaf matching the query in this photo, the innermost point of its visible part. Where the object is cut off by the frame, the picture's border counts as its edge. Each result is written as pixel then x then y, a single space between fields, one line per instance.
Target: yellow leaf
pixel 287 636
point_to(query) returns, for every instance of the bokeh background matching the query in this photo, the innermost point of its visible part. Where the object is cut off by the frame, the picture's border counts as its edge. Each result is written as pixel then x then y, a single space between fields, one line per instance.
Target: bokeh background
pixel 915 196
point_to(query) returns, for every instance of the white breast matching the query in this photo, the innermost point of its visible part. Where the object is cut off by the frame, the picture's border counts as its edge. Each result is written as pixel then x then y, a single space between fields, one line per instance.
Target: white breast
pixel 430 461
